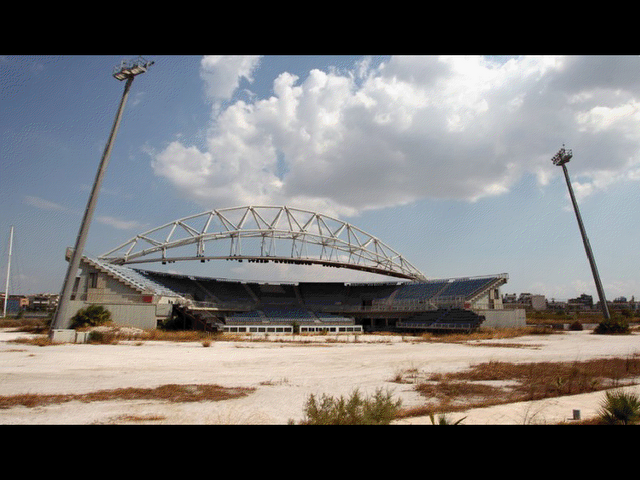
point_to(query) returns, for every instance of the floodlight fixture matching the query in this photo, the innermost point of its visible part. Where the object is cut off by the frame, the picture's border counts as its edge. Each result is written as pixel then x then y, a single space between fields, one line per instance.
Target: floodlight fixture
pixel 561 159
pixel 131 68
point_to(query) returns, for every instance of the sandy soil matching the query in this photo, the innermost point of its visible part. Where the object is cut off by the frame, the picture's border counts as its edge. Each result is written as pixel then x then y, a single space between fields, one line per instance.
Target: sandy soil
pixel 284 373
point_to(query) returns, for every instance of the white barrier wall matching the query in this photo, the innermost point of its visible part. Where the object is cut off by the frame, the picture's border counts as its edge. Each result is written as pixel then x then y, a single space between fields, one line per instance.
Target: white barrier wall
pixel 503 318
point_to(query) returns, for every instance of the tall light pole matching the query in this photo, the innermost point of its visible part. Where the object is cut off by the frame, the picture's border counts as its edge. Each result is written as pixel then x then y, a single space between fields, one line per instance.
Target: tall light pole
pixel 561 159
pixel 125 71
pixel 6 288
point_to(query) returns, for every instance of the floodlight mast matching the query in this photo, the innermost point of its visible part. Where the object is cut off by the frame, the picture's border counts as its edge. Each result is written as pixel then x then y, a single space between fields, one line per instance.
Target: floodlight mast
pixel 127 70
pixel 561 159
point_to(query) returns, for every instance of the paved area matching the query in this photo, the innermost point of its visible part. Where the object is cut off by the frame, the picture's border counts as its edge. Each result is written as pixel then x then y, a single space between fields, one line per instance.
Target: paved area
pixel 284 373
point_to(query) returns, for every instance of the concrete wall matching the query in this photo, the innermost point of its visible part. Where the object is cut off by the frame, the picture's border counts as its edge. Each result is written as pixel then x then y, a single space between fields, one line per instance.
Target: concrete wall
pixel 511 318
pixel 491 300
pixel 141 315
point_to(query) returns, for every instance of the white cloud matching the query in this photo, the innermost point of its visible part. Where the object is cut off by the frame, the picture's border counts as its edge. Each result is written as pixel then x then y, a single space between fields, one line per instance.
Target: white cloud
pixel 104 219
pixel 601 180
pixel 624 117
pixel 118 223
pixel 621 288
pixel 43 204
pixel 222 74
pixel 416 127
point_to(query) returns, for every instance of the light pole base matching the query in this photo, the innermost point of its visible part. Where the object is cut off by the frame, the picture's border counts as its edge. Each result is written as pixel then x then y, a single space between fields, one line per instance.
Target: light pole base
pixel 68 335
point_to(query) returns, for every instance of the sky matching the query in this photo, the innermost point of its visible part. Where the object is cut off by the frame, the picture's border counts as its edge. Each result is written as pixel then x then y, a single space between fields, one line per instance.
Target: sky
pixel 445 159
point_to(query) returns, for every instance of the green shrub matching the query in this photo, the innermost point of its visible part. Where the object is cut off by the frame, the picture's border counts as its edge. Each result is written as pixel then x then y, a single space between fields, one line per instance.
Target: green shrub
pixel 378 410
pixel 614 325
pixel 172 324
pixel 91 316
pixel 620 408
pixel 104 338
pixel 444 420
pixel 576 326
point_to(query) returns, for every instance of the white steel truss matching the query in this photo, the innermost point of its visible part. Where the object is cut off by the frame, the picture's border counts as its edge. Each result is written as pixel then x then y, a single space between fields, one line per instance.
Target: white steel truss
pixel 265 233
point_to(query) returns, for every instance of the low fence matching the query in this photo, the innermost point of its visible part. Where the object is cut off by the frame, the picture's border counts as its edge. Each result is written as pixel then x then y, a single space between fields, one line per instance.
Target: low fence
pixel 290 329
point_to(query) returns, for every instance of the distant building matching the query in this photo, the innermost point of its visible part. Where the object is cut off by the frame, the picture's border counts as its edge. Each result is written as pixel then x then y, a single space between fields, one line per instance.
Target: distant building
pixel 43 301
pixel 583 302
pixel 525 300
pixel 15 303
pixel 509 298
pixel 556 305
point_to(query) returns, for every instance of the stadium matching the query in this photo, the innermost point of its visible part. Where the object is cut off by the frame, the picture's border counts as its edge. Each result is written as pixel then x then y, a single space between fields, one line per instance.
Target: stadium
pixel 409 302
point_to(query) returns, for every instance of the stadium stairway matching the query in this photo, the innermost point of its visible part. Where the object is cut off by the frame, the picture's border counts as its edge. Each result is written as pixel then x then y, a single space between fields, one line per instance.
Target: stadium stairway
pixel 195 319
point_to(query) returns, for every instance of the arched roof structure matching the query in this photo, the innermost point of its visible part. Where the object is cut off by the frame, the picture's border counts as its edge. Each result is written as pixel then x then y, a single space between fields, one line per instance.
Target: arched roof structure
pixel 261 234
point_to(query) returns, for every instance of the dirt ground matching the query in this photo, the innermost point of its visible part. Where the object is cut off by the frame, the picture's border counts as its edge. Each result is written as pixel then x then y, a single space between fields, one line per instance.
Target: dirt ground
pixel 284 371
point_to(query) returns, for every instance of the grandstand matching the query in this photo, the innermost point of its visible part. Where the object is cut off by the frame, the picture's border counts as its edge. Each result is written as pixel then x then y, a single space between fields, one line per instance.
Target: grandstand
pixel 244 306
pixel 145 298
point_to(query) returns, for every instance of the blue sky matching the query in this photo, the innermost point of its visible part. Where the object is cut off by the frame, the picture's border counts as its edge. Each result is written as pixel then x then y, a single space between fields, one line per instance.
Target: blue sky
pixel 445 159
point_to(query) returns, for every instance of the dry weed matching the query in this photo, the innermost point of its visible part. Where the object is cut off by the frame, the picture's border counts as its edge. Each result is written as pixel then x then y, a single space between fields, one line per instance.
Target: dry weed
pixel 167 393
pixel 495 383
pixel 37 340
pixel 139 418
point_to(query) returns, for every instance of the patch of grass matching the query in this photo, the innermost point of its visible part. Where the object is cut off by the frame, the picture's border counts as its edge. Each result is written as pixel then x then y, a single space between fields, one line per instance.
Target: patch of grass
pixel 26 324
pixel 103 338
pixel 487 334
pixel 37 340
pixel 495 383
pixel 175 335
pixel 168 393
pixel 139 418
pixel 447 391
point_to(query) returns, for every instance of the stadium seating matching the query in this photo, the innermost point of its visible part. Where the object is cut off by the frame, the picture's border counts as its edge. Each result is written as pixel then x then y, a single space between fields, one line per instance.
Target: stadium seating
pixel 420 290
pixel 434 305
pixel 289 313
pixel 454 319
pixel 465 287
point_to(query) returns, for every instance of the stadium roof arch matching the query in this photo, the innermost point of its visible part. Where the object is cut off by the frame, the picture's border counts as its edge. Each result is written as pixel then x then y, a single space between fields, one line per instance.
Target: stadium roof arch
pixel 262 234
